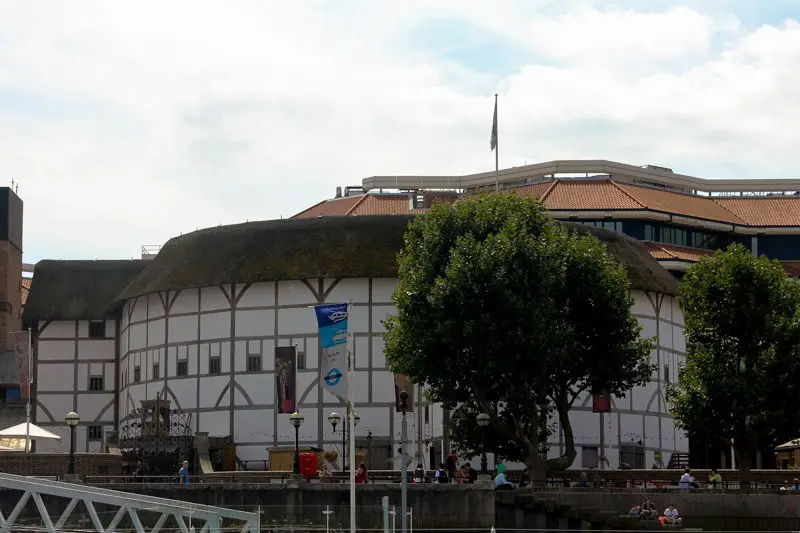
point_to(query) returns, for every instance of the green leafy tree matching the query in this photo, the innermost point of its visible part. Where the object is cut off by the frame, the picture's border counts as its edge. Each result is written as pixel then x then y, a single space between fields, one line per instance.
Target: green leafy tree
pixel 741 379
pixel 503 311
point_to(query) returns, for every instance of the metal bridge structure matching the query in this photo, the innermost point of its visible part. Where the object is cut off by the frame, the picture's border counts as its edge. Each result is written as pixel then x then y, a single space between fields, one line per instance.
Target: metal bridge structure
pixel 128 511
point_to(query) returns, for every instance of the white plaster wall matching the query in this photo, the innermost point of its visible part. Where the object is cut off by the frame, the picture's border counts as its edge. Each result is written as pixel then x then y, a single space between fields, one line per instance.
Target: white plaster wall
pixel 198 325
pixel 234 322
pixel 66 358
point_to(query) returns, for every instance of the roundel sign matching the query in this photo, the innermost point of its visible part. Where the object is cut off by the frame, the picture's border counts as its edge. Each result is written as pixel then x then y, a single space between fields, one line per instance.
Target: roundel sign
pixel 333 377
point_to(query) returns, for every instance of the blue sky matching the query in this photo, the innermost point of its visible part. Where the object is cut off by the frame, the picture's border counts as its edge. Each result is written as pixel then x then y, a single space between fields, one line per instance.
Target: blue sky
pixel 129 123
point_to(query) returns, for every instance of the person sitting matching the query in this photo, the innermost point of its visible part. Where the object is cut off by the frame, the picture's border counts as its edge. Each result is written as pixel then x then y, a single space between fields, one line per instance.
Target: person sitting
pixel 687 481
pixel 648 511
pixel 325 475
pixel 671 515
pixel 361 473
pixel 419 474
pixel 500 481
pixel 441 474
pixel 714 479
pixel 525 478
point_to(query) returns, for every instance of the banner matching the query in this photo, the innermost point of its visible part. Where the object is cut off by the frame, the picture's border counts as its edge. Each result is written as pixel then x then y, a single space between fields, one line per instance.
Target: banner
pixel 286 378
pixel 22 353
pixel 332 321
pixel 403 383
pixel 601 403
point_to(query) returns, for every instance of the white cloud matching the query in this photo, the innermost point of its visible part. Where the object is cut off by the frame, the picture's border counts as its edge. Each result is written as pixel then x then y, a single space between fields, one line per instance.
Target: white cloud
pixel 129 123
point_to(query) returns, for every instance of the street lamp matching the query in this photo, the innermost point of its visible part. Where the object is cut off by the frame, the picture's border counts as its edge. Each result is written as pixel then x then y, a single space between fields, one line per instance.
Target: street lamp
pixel 72 420
pixel 297 420
pixel 334 419
pixel 483 422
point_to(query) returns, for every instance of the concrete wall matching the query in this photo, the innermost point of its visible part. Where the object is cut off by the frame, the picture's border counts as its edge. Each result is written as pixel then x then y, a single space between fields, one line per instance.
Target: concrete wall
pixel 434 506
pixel 690 504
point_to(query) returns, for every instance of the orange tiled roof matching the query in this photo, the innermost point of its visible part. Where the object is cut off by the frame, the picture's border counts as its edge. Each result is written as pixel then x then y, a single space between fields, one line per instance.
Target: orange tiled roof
pixel 764 211
pixel 599 195
pixel 588 195
pixel 672 252
pixel 537 190
pixel 338 207
pixel 680 204
pixel 382 204
pixel 25 287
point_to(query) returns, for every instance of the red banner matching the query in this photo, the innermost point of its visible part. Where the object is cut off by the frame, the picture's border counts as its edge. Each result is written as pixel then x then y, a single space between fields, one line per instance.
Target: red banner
pixel 22 353
pixel 601 403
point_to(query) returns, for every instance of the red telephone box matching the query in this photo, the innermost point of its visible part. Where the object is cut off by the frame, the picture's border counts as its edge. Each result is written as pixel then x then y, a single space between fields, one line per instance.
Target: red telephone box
pixel 308 465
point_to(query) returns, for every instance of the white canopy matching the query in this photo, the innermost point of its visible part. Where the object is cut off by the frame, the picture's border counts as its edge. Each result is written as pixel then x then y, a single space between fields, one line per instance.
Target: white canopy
pixel 19 431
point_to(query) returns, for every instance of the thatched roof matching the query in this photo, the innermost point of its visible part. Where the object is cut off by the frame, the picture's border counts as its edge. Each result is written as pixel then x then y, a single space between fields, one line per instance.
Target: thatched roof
pixel 644 272
pixel 77 290
pixel 329 247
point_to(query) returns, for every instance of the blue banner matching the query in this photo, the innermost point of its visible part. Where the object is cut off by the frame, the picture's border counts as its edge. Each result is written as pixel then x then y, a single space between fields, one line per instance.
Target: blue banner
pixel 332 322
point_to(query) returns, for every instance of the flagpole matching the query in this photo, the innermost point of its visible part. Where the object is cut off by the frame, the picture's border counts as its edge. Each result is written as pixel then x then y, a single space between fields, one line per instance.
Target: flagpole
pixel 351 423
pixel 28 398
pixel 496 150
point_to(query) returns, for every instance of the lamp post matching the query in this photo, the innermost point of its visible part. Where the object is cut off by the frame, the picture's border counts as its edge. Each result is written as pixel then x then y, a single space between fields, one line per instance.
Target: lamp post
pixel 297 420
pixel 72 419
pixel 483 422
pixel 334 420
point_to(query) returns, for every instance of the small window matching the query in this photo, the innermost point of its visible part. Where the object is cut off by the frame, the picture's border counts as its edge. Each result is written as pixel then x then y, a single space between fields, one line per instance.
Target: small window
pixel 254 363
pixel 301 360
pixel 97 329
pixel 214 366
pixel 183 368
pixel 427 411
pixel 156 371
pixel 649 233
pixel 137 374
pixel 96 383
pixel 95 433
pixel 666 373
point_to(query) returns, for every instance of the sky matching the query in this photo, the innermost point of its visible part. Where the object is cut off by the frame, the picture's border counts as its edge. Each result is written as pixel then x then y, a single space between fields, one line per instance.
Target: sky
pixel 128 123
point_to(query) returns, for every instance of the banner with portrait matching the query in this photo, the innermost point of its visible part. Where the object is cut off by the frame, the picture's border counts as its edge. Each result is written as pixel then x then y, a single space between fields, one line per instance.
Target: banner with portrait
pixel 286 378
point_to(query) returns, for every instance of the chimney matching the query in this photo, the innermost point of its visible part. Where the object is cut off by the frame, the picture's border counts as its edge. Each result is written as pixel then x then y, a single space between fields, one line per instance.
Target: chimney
pixel 10 264
pixel 338 192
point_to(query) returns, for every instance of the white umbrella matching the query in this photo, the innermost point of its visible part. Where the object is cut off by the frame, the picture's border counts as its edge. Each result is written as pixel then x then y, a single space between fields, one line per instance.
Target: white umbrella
pixel 35 432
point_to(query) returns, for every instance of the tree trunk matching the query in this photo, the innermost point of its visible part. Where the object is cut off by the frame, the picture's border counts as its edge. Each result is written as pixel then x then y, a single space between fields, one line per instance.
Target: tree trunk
pixel 743 463
pixel 570 453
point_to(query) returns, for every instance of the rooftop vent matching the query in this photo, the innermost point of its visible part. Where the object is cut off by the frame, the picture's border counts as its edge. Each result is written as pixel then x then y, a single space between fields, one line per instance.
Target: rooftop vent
pixel 353 190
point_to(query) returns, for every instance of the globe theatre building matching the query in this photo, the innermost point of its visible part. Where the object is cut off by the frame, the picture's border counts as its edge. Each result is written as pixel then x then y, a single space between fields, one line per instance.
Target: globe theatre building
pixel 200 325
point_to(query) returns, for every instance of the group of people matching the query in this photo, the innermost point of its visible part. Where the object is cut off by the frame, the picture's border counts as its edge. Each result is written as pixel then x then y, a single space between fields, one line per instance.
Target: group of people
pixel 647 510
pixel 326 476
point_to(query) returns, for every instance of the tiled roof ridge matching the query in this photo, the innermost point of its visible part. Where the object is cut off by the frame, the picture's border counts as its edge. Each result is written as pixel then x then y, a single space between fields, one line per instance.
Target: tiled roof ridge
pixel 729 210
pixel 628 194
pixel 552 186
pixel 306 210
pixel 356 204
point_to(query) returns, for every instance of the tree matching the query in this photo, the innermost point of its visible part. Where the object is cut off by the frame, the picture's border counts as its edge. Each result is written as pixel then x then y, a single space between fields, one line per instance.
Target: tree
pixel 503 311
pixel 742 373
